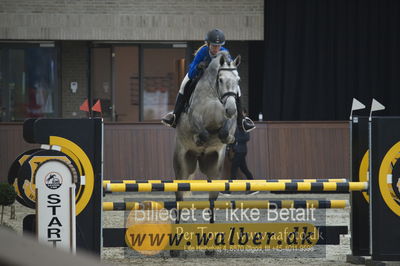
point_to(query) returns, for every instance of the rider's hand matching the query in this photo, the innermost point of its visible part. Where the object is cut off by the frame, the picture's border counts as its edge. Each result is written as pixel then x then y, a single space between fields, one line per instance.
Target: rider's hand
pixel 202 65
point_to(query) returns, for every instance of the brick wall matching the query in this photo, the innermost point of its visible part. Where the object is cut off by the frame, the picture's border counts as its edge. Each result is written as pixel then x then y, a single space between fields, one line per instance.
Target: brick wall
pixel 74 67
pixel 130 19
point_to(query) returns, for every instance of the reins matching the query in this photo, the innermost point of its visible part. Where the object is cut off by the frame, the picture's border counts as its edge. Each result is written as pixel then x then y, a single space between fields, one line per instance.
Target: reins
pixel 226 94
pixel 215 88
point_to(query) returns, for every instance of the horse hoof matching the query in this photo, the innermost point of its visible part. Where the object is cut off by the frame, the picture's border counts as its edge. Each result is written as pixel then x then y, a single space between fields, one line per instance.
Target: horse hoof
pixel 223 135
pixel 174 253
pixel 231 139
pixel 228 140
pixel 199 142
pixel 224 141
pixel 210 252
pixel 204 136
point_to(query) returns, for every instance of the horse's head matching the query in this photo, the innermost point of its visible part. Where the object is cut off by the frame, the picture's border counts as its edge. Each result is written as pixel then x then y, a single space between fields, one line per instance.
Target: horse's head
pixel 228 84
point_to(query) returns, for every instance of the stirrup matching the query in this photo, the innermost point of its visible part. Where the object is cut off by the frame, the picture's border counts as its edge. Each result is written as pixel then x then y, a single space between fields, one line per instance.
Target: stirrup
pixel 248 124
pixel 169 122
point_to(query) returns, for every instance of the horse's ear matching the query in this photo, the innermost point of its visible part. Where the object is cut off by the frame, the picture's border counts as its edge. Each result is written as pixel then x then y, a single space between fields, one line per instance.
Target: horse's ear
pixel 222 60
pixel 237 61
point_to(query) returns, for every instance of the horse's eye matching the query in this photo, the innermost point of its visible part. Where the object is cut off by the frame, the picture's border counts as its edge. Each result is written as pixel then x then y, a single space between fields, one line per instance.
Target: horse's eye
pixel 220 80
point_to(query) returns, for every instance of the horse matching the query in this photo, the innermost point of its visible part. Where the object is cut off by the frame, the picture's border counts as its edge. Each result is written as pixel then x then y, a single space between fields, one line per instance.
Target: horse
pixel 209 123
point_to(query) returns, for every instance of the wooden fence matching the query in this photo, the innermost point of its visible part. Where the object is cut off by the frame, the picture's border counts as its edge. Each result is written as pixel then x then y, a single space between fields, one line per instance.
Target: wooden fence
pixel 276 150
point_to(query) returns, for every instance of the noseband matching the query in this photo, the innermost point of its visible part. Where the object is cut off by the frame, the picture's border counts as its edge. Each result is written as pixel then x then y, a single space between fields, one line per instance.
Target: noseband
pixel 229 93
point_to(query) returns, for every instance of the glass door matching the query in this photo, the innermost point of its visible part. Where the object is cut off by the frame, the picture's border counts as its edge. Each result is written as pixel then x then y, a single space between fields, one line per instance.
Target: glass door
pixel 101 80
pixel 4 105
pixel 2 90
pixel 136 82
pixel 163 71
pixel 126 83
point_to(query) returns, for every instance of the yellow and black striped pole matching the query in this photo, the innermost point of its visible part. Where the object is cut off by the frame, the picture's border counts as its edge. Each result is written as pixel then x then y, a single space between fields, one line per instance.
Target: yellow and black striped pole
pixel 129 181
pixel 239 186
pixel 158 181
pixel 225 204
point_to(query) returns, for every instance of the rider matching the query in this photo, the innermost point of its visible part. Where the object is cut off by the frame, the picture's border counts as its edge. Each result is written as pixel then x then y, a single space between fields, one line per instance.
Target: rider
pixel 214 41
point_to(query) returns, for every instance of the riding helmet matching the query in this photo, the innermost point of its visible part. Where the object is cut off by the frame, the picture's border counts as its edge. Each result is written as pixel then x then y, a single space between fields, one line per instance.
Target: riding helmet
pixel 216 37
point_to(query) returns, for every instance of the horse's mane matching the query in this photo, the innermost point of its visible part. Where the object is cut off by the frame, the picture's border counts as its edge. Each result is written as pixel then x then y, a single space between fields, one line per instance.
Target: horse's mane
pixel 215 62
pixel 225 54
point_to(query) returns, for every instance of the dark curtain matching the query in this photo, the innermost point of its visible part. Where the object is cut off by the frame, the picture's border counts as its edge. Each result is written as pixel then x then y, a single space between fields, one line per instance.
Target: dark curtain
pixel 256 81
pixel 319 54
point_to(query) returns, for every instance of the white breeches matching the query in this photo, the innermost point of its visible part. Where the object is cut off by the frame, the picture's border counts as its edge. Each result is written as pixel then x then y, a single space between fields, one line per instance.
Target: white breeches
pixel 183 84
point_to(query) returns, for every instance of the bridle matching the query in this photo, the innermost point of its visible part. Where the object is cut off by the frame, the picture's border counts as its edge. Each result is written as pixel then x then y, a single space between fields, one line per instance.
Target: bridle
pixel 222 98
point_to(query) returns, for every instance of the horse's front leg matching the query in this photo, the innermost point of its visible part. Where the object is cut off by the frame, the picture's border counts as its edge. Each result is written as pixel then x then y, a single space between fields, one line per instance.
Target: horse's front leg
pixel 201 134
pixel 184 165
pixel 225 134
pixel 212 197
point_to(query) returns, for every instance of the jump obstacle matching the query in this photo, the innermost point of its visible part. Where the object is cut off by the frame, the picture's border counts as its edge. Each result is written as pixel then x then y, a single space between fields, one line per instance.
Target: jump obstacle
pixel 239 186
pixel 377 193
pixel 127 181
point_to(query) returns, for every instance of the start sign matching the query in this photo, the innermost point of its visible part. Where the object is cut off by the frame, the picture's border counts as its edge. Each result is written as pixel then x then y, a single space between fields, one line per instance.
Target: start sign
pixel 55 210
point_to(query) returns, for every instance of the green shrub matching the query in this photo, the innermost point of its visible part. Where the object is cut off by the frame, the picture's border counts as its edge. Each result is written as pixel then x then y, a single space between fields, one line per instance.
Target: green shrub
pixel 7 194
pixel 7 197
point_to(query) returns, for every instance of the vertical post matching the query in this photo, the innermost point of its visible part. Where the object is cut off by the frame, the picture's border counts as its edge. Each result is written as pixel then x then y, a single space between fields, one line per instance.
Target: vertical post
pixel 359 217
pixel 384 208
pixel 55 205
pixel 12 212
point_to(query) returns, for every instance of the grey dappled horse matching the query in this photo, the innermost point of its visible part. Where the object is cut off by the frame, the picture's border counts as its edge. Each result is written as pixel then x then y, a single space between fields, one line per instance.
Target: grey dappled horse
pixel 209 124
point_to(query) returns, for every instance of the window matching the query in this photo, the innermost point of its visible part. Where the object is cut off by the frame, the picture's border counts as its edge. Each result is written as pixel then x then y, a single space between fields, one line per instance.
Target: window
pixel 136 82
pixel 28 81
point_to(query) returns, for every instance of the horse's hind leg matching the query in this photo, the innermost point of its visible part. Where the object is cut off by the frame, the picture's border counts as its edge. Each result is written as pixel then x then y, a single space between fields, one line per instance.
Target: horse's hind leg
pixel 211 165
pixel 184 165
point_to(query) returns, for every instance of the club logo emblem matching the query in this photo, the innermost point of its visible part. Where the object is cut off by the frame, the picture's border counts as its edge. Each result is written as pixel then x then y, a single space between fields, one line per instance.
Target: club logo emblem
pixel 53 180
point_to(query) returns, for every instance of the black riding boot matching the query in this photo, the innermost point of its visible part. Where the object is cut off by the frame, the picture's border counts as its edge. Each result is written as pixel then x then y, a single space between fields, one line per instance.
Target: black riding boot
pixel 171 119
pixel 244 122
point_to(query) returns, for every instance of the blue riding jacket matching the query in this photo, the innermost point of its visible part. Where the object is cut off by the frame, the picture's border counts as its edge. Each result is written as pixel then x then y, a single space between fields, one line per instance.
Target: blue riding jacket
pixel 202 54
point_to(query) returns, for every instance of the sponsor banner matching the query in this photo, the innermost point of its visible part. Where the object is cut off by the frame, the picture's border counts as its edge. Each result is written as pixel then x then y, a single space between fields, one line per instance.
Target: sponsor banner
pixel 152 238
